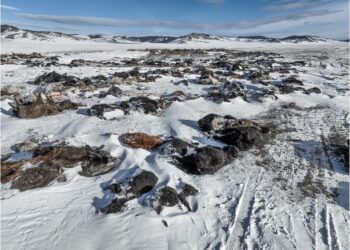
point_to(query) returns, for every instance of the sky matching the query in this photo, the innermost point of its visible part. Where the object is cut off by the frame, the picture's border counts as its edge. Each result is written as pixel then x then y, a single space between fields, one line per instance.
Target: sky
pixel 273 18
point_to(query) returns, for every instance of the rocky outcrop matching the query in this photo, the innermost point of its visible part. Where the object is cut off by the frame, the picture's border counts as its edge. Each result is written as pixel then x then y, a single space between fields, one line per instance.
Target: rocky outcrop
pixel 49 162
pixel 36 106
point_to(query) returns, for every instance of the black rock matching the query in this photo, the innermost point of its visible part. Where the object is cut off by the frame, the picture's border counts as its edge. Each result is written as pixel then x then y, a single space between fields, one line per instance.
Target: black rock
pixel 175 146
pixel 114 91
pixel 115 188
pixel 148 105
pixel 99 109
pixel 207 160
pixel 115 206
pixel 97 163
pixel 214 122
pixel 143 183
pixel 313 90
pixel 288 88
pixel 168 197
pixel 242 137
pixel 52 77
pixel 218 97
pixel 292 80
pixel 188 190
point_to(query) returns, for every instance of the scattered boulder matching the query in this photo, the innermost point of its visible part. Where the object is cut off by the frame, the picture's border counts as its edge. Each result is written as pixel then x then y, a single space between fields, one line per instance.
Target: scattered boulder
pixel 207 160
pixel 97 163
pixel 143 183
pixel 141 140
pixel 54 159
pixel 188 190
pixel 240 133
pixel 115 206
pixel 168 197
pixel 288 88
pixel 130 188
pixel 147 105
pixel 259 76
pixel 208 79
pixel 36 177
pixel 178 96
pixel 217 97
pixel 242 137
pixel 39 105
pixel 175 146
pixel 52 77
pixel 293 81
pixel 99 110
pixel 313 90
pixel 114 91
pixel 216 123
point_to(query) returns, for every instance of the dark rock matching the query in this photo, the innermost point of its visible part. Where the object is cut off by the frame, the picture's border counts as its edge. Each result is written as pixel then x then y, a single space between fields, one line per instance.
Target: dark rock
pixel 61 178
pixel 207 160
pixel 218 97
pixel 175 146
pixel 54 159
pixel 144 103
pixel 184 82
pixel 188 190
pixel 168 197
pixel 242 137
pixel 115 206
pixel 38 107
pixel 99 110
pixel 214 122
pixel 114 91
pixel 165 223
pixel 115 188
pixel 35 177
pixel 292 80
pixel 97 163
pixel 288 88
pixel 259 76
pixel 313 90
pixel 51 77
pixel 208 79
pixel 143 183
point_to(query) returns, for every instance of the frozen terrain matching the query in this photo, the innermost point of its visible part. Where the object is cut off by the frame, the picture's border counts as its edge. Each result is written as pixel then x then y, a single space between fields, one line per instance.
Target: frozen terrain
pixel 290 193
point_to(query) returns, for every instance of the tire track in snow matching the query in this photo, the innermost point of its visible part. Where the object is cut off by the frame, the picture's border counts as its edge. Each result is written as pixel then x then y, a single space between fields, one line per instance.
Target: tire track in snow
pixel 332 235
pixel 240 228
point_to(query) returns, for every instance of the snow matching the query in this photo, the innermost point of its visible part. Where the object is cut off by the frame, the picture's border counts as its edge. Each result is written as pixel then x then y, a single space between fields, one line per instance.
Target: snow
pixel 242 206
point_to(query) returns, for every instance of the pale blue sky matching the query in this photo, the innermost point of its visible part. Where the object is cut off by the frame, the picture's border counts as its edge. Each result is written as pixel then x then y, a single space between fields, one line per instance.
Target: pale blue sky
pixel 277 18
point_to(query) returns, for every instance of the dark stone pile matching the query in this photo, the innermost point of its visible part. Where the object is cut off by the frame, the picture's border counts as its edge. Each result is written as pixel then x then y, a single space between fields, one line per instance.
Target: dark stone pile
pixel 50 161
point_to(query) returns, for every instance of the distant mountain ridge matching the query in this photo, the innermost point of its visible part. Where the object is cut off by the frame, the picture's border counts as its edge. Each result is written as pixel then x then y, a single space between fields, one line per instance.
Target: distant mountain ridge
pixel 12 32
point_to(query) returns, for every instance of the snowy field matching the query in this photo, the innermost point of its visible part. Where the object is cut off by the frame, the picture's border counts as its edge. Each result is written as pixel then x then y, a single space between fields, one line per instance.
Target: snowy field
pixel 290 193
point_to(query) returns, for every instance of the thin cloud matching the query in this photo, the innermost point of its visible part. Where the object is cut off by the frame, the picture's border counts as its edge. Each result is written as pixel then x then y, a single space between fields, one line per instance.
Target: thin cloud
pixel 286 5
pixel 24 25
pixel 7 7
pixel 111 22
pixel 214 2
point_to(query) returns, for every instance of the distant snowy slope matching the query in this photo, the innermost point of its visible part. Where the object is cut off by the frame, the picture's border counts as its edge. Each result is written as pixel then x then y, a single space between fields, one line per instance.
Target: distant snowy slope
pixel 9 32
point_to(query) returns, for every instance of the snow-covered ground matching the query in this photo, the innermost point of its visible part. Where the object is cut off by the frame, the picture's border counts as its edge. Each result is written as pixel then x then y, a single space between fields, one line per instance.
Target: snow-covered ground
pixel 254 203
